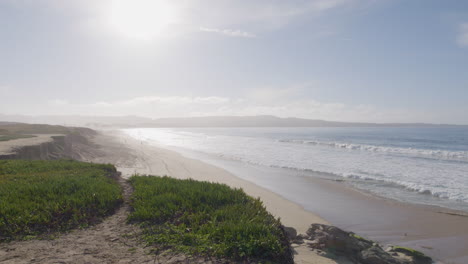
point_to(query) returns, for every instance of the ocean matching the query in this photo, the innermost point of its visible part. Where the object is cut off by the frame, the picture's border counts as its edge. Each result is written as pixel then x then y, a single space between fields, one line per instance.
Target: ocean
pixel 426 166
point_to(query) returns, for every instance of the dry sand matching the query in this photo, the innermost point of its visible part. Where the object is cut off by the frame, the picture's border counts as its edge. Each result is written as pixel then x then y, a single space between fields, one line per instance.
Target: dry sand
pixel 440 233
pixel 8 147
pixel 132 156
pixel 158 161
pixel 114 241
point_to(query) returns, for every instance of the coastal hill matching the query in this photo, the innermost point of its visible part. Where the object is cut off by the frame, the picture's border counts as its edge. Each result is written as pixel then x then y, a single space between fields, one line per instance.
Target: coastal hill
pixel 263 121
pixel 206 121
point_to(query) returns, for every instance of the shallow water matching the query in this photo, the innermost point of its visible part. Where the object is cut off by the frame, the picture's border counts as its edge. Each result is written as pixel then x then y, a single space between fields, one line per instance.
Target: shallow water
pixel 415 165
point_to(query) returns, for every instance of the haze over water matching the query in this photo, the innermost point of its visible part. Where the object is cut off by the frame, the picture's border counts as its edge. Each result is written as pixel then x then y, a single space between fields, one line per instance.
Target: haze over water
pixel 161 63
pixel 416 165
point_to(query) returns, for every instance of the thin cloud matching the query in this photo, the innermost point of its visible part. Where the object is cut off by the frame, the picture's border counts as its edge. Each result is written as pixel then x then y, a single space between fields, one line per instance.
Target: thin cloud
pixel 229 32
pixel 172 100
pixel 258 14
pixel 59 102
pixel 462 38
pixel 221 16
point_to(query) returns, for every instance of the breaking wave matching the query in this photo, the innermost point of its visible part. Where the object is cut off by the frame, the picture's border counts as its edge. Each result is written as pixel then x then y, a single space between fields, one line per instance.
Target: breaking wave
pixel 436 154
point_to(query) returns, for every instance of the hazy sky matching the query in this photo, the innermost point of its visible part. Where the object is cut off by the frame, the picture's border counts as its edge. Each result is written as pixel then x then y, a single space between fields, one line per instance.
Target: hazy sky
pixel 346 60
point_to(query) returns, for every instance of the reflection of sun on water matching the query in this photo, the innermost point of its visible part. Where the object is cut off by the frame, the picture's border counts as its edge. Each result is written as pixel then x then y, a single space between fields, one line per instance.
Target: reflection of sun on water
pixel 141 19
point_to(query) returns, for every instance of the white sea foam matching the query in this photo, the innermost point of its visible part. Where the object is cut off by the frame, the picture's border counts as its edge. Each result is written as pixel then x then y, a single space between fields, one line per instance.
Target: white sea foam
pixel 438 154
pixel 378 168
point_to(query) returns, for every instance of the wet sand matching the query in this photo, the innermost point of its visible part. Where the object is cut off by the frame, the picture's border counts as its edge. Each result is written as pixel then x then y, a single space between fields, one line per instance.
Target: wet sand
pixel 290 195
pixel 131 156
pixel 438 232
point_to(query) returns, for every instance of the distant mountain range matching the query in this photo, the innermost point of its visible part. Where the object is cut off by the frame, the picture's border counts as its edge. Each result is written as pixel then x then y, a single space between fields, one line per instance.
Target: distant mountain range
pixel 263 121
pixel 211 121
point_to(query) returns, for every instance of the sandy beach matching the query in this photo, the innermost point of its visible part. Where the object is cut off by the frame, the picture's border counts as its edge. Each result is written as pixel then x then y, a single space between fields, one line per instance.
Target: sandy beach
pixel 158 161
pixel 114 241
pixel 439 232
pixel 131 156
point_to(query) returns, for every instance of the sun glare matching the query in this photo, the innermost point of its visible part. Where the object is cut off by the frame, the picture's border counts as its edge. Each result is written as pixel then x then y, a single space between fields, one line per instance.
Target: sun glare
pixel 141 19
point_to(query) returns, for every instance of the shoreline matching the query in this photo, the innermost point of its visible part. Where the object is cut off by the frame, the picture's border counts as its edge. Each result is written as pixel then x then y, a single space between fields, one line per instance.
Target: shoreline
pixel 131 156
pixel 166 162
pixel 384 220
pixel 298 198
pixel 425 228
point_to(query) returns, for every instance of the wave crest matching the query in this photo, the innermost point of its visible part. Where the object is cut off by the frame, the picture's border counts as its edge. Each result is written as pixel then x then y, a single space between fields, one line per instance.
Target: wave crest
pixel 436 154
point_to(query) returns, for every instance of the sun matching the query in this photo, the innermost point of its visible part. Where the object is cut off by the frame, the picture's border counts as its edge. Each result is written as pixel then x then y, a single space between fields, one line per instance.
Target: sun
pixel 141 19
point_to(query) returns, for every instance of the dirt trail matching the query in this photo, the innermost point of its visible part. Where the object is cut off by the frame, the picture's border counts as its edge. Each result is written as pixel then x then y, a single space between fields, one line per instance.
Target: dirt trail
pixel 111 241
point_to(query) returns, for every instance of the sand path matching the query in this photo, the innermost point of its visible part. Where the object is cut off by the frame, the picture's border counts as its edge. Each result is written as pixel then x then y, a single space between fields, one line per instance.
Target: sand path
pixel 143 159
pixel 111 241
pixel 114 241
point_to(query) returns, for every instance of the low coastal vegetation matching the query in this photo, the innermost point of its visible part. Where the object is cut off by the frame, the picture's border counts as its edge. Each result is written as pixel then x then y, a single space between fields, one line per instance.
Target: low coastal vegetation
pixel 205 218
pixel 23 129
pixel 42 197
pixel 12 131
pixel 15 136
pixel 417 255
pixel 66 143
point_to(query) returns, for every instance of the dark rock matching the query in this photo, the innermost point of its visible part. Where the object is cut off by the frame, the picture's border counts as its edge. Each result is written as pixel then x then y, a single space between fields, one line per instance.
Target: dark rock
pixel 331 237
pixel 376 255
pixel 418 257
pixel 336 241
pixel 298 240
pixel 291 233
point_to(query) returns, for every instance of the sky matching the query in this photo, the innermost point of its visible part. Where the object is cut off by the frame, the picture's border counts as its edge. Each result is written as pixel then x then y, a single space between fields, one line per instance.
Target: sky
pixel 342 60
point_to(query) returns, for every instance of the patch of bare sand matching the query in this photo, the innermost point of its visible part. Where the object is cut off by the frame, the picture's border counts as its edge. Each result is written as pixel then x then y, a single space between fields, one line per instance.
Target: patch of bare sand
pixel 111 241
pixel 143 159
pixel 115 241
pixel 9 147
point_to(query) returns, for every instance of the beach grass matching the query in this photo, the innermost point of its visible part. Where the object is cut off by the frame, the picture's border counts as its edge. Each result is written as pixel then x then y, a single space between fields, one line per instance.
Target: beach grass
pixel 205 218
pixel 15 136
pixel 12 129
pixel 43 197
